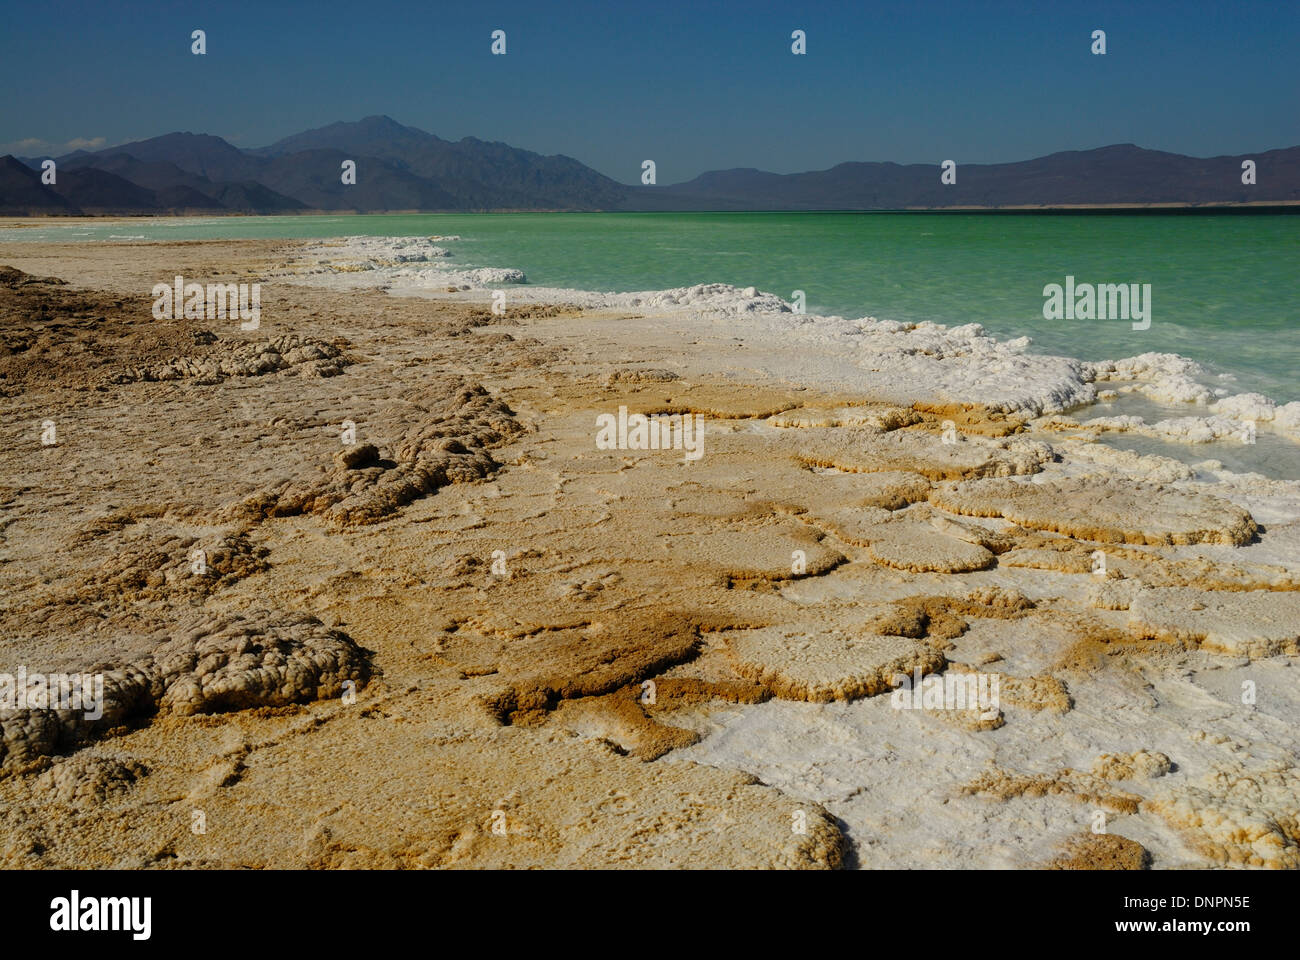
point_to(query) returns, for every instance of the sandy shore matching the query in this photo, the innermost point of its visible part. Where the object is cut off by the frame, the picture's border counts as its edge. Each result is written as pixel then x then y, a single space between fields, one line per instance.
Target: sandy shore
pixel 473 638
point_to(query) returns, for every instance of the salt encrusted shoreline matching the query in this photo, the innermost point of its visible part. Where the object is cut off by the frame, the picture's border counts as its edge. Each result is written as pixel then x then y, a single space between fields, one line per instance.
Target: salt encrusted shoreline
pixel 559 655
pixel 957 364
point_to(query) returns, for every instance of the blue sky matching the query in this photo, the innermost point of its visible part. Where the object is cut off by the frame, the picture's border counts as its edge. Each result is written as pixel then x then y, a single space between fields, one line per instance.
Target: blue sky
pixel 692 85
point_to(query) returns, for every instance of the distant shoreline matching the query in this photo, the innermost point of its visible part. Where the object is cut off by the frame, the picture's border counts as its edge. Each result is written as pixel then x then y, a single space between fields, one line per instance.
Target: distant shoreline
pixel 13 220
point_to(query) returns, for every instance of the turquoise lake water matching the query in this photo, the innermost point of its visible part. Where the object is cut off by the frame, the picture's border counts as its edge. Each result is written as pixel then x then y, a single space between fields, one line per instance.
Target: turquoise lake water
pixel 1225 288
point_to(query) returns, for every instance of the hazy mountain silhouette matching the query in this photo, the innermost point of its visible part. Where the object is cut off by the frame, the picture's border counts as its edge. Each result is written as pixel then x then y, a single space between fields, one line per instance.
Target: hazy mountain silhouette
pixel 402 168
pixel 175 187
pixel 84 188
pixel 21 191
pixel 475 174
pixel 1119 174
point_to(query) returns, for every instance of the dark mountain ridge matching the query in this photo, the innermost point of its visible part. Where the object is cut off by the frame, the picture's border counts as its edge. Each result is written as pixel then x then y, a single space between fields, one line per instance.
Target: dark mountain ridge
pixel 401 168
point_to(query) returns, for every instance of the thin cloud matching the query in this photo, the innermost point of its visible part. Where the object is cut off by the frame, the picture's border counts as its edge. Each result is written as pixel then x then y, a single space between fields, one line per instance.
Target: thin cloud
pixel 33 146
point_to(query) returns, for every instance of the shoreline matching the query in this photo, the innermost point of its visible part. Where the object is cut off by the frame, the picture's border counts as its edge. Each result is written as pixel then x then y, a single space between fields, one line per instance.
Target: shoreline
pixel 1152 400
pixel 1257 375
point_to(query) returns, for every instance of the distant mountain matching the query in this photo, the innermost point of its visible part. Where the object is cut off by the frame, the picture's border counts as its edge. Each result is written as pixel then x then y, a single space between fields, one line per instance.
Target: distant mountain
pixel 398 168
pixel 21 191
pixel 92 189
pixel 474 174
pixel 381 137
pixel 402 168
pixel 81 187
pixel 249 196
pixel 1120 174
pixel 173 185
pixel 199 153
pixel 154 175
pixel 313 178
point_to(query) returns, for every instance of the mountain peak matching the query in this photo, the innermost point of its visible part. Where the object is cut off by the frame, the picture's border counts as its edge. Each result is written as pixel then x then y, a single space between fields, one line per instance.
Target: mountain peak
pixel 381 120
pixel 378 135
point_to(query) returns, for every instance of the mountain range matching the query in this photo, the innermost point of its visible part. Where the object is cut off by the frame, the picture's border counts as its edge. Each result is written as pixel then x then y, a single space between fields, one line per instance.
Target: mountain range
pixel 400 168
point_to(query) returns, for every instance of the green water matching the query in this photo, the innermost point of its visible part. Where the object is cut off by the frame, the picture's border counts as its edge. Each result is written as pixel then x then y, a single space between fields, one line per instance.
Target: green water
pixel 1225 288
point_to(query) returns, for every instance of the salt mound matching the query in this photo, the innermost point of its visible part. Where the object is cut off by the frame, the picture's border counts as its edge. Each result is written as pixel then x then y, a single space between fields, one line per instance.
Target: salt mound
pixel 880 419
pixel 720 505
pixel 824 491
pixel 457 423
pixel 405 262
pixel 640 375
pixel 28 735
pixel 627 719
pixel 990 540
pixel 1189 430
pixel 1139 765
pixel 1113 594
pixel 305 355
pixel 159 567
pixel 891 489
pixel 719 298
pixel 223 664
pixel 1257 407
pixel 1239 817
pixel 487 276
pixel 1103 510
pixel 1107 461
pixel 1100 851
pixel 215 663
pixel 389 250
pixel 541 665
pixel 905 544
pixel 88 781
pixel 1164 377
pixel 855 525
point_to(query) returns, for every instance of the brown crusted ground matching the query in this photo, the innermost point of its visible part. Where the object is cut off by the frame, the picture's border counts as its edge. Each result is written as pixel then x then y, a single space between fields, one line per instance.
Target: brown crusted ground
pixel 1101 851
pixel 54 334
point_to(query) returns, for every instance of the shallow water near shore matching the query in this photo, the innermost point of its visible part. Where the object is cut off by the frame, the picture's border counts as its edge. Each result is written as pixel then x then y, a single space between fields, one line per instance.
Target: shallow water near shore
pixel 1224 288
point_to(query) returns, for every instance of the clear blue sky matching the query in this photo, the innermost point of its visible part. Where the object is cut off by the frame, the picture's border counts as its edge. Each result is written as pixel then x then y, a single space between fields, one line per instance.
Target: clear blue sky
pixel 692 85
